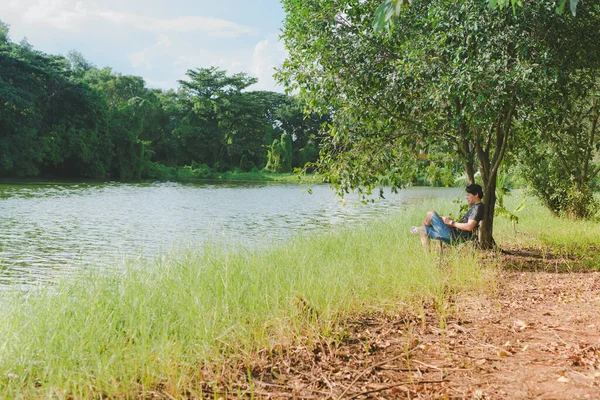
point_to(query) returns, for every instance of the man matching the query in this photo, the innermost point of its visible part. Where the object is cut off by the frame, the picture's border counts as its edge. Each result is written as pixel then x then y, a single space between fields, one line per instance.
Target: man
pixel 446 229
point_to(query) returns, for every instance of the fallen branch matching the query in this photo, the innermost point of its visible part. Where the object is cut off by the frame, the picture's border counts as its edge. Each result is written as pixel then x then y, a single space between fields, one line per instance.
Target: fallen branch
pixel 367 369
pixel 393 386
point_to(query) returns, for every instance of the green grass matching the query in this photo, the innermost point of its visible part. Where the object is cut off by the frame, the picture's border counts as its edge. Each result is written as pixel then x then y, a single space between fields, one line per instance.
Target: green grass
pixel 204 173
pixel 539 227
pixel 262 176
pixel 158 323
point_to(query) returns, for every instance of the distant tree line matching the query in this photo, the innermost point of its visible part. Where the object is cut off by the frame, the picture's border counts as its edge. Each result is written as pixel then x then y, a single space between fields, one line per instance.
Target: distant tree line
pixel 64 117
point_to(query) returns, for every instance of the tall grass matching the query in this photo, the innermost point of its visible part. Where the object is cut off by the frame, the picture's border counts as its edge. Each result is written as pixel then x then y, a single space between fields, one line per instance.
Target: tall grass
pixel 538 226
pixel 159 322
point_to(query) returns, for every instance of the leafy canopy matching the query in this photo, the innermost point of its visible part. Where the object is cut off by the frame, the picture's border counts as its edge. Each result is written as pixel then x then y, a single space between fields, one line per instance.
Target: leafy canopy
pixel 388 11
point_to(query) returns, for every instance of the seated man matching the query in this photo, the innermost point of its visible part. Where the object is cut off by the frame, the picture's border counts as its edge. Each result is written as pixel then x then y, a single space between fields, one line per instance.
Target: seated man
pixel 444 228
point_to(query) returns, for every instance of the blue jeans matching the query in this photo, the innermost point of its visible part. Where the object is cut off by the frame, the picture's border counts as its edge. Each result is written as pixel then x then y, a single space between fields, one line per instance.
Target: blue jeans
pixel 438 229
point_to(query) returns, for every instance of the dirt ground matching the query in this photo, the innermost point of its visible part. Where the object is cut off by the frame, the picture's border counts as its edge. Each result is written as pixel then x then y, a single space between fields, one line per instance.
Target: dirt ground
pixel 536 337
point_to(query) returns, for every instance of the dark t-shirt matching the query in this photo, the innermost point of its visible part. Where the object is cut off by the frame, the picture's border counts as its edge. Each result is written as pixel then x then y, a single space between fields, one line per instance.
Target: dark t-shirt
pixel 476 213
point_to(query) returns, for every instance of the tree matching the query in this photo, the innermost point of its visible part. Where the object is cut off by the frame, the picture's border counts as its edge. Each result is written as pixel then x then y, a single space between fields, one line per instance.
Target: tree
pixel 49 122
pixel 561 154
pixel 279 158
pixel 4 30
pixel 303 128
pixel 135 117
pixel 562 167
pixel 453 72
pixel 388 11
pixel 62 116
pixel 220 124
pixel 79 65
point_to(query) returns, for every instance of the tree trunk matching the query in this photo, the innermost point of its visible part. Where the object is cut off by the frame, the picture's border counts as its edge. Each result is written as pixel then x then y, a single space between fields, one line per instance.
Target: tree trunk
pixel 489 172
pixel 467 155
pixel 486 229
pixel 470 172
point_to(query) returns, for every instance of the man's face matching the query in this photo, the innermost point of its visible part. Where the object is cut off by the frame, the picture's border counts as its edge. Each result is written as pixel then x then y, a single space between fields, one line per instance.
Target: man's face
pixel 472 199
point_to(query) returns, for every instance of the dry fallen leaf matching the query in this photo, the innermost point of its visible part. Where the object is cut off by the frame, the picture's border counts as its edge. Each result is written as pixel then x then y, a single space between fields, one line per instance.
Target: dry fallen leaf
pixel 502 353
pixel 520 325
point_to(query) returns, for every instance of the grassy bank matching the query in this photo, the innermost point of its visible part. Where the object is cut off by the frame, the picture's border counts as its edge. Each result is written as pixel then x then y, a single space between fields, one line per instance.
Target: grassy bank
pixel 203 172
pixel 577 240
pixel 159 324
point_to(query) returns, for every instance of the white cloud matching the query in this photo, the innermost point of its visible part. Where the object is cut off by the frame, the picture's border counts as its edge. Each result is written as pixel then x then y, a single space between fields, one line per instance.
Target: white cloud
pixel 183 61
pixel 163 40
pixel 132 38
pixel 259 62
pixel 71 15
pixel 165 85
pixel 59 14
pixel 268 55
pixel 140 59
pixel 211 26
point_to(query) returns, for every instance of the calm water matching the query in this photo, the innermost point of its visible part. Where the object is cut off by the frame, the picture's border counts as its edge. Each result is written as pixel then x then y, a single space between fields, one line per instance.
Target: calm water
pixel 50 228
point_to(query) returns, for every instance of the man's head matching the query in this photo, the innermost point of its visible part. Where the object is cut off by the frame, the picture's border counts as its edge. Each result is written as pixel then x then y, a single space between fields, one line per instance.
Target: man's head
pixel 474 194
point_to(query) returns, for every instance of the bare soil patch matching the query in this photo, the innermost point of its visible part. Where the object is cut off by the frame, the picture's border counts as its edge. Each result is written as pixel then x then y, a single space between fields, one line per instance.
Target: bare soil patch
pixel 537 336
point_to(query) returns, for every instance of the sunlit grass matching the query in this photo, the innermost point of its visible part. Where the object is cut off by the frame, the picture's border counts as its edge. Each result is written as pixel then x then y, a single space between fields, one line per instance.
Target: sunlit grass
pixel 158 322
pixel 263 176
pixel 538 226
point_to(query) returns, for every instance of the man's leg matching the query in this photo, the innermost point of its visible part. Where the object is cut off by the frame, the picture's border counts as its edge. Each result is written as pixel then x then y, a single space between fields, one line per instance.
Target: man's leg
pixel 423 231
pixel 427 221
pixel 434 228
pixel 424 238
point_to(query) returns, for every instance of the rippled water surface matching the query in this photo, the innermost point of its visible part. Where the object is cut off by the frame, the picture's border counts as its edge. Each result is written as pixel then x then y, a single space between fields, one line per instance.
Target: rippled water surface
pixel 48 228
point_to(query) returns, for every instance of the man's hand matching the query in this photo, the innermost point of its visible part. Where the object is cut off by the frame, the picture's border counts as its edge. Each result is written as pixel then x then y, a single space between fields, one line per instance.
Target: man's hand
pixel 447 220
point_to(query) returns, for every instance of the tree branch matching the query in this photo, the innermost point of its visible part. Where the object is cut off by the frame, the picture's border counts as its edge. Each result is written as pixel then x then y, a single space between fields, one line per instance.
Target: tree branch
pixel 502 142
pixel 592 134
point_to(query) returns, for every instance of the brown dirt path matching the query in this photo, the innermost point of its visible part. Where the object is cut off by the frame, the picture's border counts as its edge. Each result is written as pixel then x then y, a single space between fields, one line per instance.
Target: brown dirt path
pixel 536 337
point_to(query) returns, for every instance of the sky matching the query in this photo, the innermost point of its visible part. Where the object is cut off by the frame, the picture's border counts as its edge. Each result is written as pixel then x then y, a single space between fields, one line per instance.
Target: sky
pixel 158 40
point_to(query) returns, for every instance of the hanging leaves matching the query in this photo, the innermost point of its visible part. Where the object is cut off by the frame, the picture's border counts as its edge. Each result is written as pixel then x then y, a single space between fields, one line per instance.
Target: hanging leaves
pixel 388 12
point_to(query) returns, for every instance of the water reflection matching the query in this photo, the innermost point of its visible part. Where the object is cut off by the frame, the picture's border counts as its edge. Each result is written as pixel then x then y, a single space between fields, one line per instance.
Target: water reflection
pixel 54 227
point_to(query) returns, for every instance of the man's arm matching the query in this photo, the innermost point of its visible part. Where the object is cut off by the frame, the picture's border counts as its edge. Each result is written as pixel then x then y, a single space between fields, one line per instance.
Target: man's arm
pixel 463 226
pixel 466 226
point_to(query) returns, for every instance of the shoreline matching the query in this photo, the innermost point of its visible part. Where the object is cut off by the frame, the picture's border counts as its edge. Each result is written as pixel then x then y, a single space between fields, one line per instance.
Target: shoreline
pixel 235 316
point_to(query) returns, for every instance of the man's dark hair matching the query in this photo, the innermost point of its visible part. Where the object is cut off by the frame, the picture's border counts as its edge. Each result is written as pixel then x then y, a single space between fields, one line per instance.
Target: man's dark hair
pixel 475 189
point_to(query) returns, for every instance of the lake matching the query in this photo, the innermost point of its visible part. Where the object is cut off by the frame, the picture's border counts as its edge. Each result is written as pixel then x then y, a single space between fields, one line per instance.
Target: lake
pixel 52 228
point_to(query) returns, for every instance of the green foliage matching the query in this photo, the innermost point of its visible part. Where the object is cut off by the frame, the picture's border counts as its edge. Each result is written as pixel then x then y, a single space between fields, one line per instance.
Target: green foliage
pixel 561 163
pixel 49 122
pixel 514 3
pixel 557 188
pixel 63 117
pixel 454 74
pixel 307 155
pixel 438 167
pixel 385 18
pixel 502 189
pixel 386 13
pixel 199 171
pixel 4 30
pixel 246 164
pixel 279 156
